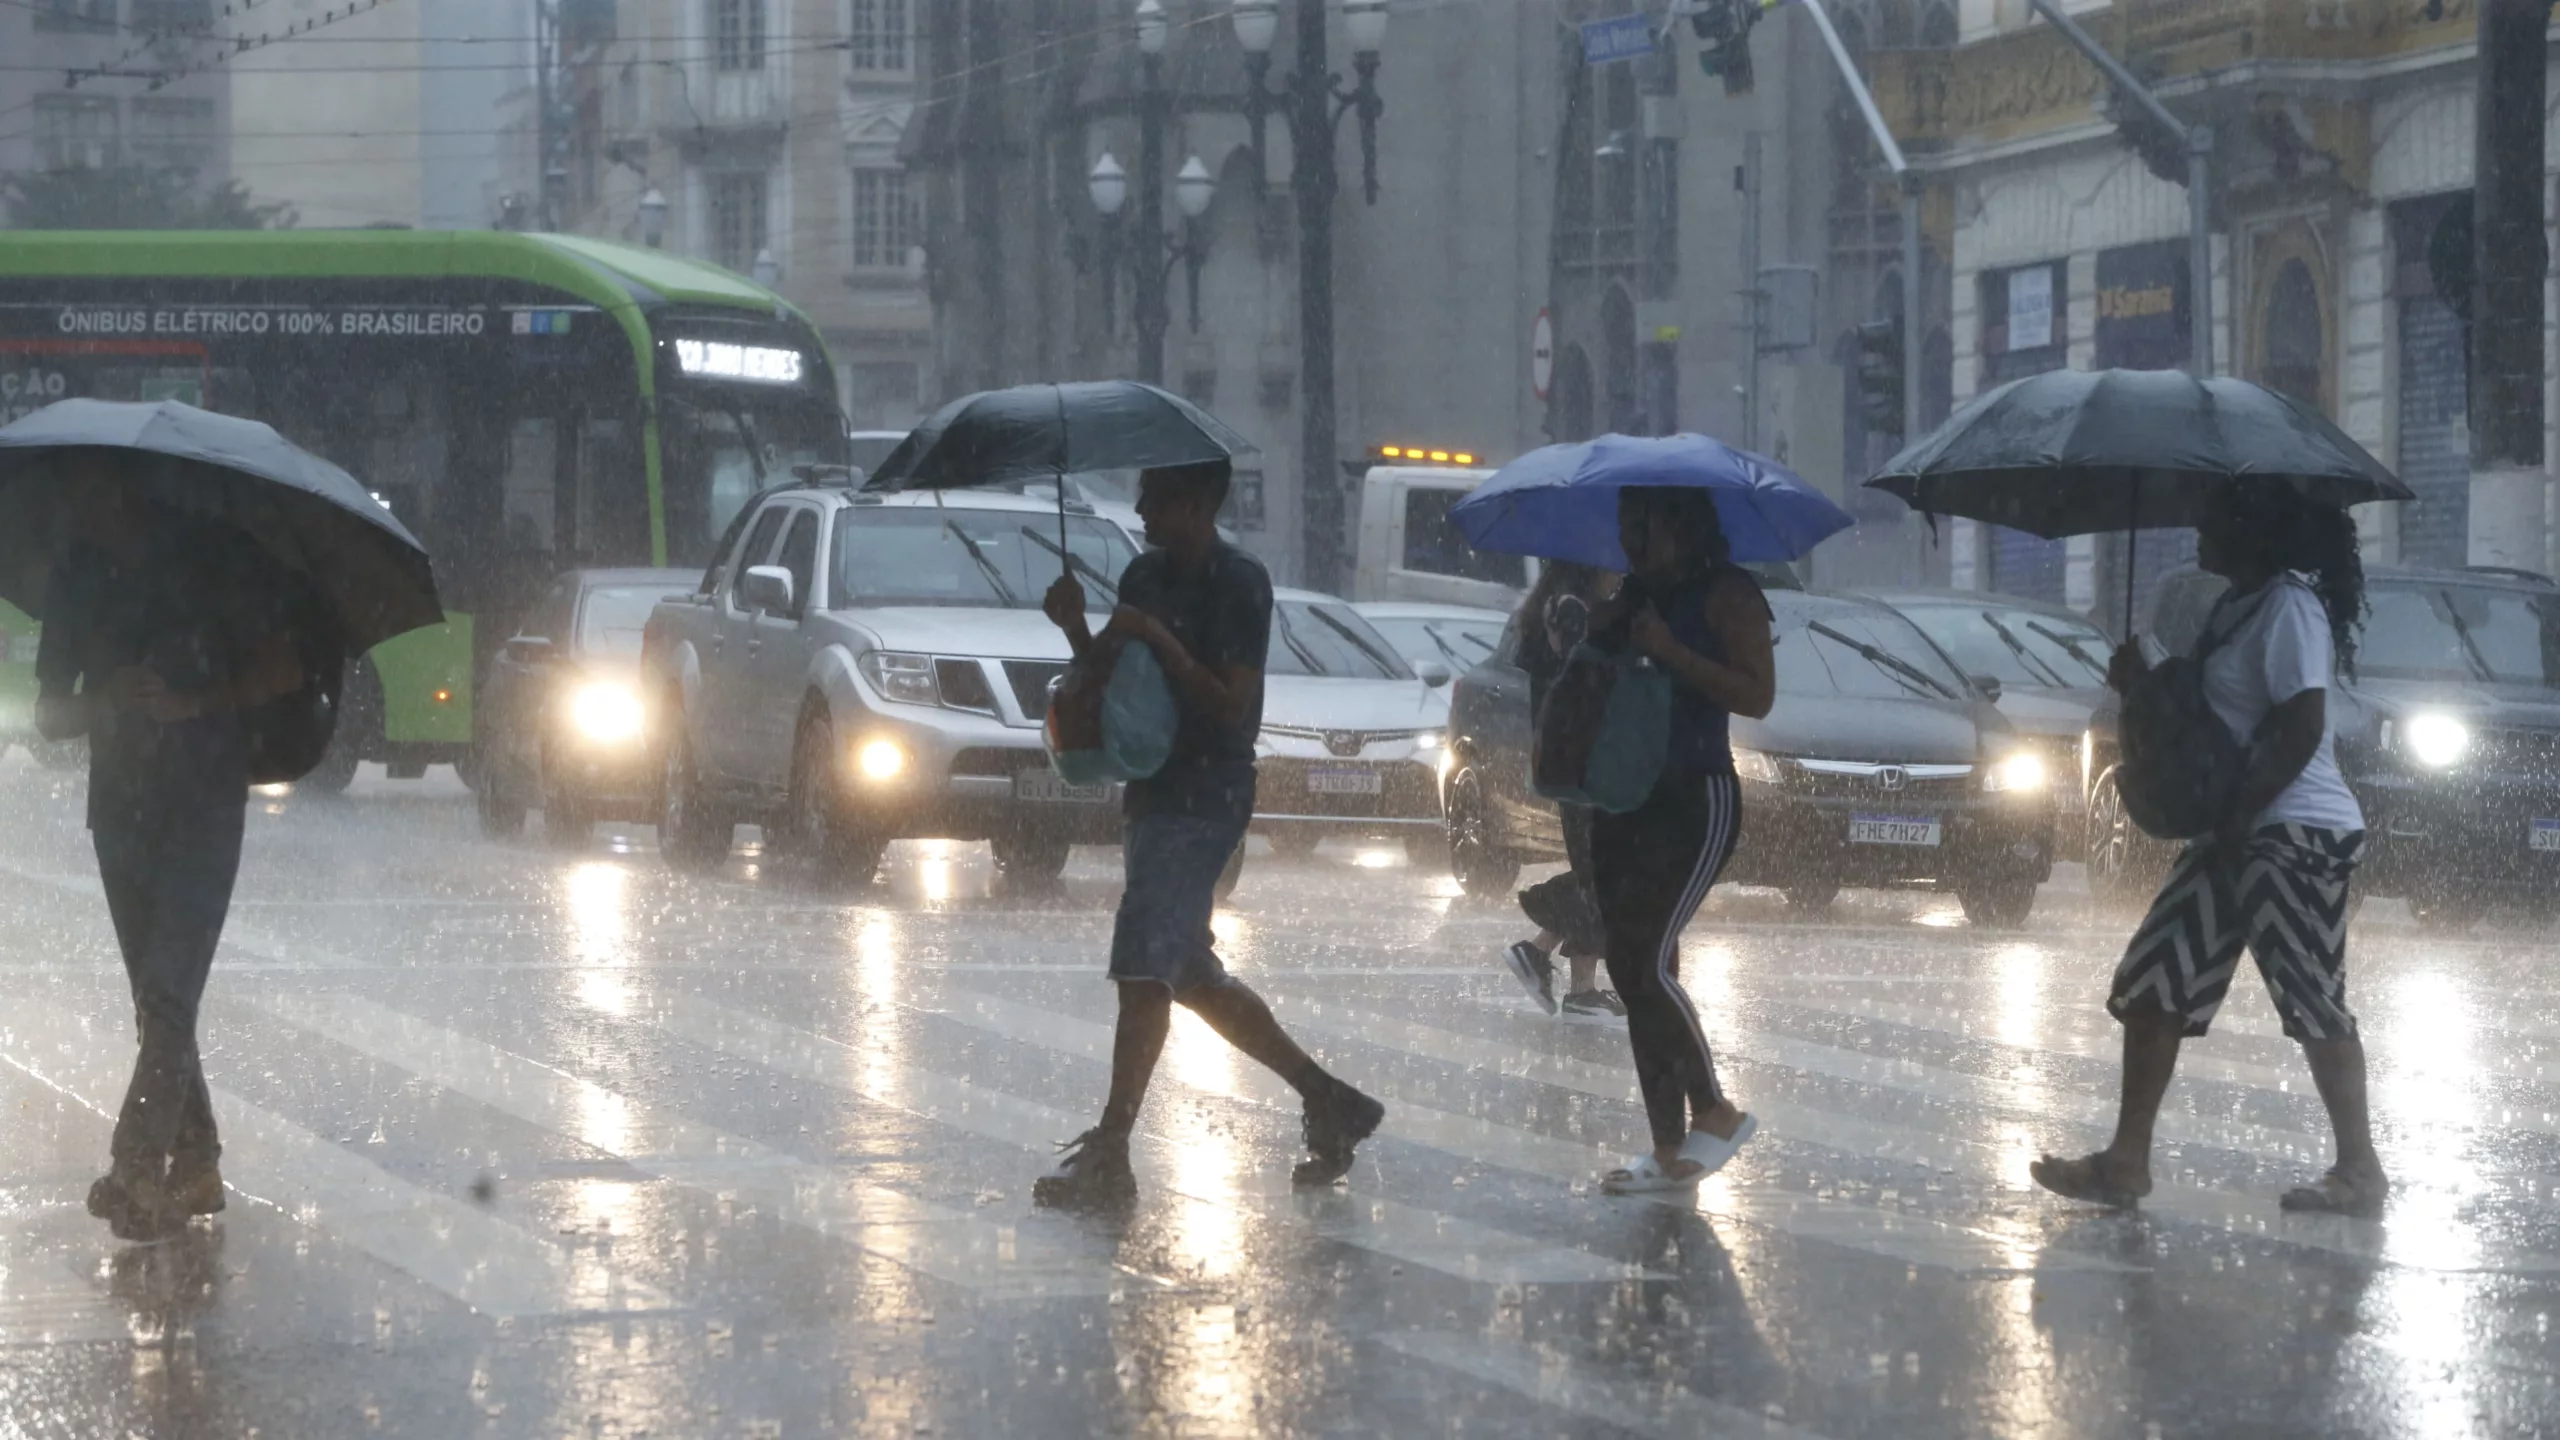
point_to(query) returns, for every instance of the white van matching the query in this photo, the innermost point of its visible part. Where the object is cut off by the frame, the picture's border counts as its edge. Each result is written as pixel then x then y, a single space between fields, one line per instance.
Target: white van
pixel 1407 548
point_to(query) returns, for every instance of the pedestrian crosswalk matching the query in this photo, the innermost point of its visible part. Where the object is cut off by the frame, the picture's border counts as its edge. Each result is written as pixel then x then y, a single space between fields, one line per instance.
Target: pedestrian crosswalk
pixel 997 1060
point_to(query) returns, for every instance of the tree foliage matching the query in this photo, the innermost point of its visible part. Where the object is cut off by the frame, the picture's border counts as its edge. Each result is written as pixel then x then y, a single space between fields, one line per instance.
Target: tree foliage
pixel 132 197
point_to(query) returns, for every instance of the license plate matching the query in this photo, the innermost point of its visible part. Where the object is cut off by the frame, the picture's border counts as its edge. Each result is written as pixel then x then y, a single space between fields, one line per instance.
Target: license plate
pixel 1344 780
pixel 1047 786
pixel 2545 835
pixel 1893 830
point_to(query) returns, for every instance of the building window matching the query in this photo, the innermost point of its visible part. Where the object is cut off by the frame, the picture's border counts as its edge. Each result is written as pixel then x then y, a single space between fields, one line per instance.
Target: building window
pixel 737 219
pixel 172 14
pixel 883 219
pixel 75 14
pixel 75 131
pixel 879 36
pixel 737 32
pixel 176 134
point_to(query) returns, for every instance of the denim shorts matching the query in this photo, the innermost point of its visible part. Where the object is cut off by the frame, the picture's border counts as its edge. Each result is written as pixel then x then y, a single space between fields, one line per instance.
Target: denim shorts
pixel 1171 863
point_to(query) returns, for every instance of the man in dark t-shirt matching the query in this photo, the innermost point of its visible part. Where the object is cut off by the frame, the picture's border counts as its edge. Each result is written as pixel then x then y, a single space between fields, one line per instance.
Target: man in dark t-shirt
pixel 1204 607
pixel 160 632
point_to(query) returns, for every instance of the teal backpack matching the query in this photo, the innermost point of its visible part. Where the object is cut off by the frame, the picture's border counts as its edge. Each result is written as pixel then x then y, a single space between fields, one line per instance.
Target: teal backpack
pixel 1604 731
pixel 1139 719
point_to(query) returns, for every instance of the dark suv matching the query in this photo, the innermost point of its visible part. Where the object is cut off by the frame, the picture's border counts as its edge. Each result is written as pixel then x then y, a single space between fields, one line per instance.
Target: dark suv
pixel 2448 732
pixel 1881 764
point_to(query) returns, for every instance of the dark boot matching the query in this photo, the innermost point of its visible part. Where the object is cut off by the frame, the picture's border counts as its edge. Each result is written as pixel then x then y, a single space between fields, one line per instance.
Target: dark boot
pixel 1334 1125
pixel 1093 1174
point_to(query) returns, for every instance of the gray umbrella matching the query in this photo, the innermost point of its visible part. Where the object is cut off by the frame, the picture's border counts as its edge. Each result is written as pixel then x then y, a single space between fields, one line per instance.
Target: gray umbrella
pixel 2076 452
pixel 309 514
pixel 1031 432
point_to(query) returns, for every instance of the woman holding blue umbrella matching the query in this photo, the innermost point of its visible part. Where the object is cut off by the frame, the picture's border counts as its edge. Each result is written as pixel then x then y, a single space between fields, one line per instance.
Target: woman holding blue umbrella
pixel 1675 513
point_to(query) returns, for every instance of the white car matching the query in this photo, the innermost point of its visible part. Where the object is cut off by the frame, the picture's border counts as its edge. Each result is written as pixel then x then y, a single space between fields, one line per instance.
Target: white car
pixel 1458 636
pixel 1353 734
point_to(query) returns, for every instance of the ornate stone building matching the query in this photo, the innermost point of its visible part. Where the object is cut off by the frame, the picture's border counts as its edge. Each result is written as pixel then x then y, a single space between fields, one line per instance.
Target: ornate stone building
pixel 2343 134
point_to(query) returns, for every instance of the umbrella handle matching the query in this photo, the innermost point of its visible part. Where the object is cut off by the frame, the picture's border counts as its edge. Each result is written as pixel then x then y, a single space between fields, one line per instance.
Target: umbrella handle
pixel 2132 538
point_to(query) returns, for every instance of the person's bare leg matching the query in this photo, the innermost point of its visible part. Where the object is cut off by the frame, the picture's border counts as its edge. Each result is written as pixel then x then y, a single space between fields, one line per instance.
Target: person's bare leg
pixel 2122 1171
pixel 1137 1042
pixel 1586 974
pixel 1242 1019
pixel 2337 1069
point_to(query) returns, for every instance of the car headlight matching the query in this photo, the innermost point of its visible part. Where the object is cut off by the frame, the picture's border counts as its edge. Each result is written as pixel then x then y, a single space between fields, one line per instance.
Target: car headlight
pixel 606 713
pixel 1755 767
pixel 2020 770
pixel 1427 741
pixel 2435 740
pixel 906 678
pixel 880 760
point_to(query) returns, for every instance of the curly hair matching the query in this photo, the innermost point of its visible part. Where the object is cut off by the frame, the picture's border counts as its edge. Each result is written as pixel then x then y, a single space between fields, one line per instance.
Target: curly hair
pixel 2320 541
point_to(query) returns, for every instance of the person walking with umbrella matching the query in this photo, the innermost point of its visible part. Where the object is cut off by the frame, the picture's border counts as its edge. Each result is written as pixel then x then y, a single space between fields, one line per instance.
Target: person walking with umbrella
pixel 1204 608
pixel 2273 832
pixel 1674 513
pixel 175 643
pixel 1553 618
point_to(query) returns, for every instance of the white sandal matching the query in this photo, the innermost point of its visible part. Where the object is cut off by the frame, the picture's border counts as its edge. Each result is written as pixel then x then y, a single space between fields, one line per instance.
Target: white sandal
pixel 1714 1154
pixel 1644 1175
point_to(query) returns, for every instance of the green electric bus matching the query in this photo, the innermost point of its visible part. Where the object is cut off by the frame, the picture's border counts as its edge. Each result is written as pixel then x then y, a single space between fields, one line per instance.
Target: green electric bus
pixel 526 404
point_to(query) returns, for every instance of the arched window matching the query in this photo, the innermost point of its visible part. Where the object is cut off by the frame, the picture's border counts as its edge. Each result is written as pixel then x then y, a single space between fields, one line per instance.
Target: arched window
pixel 1569 403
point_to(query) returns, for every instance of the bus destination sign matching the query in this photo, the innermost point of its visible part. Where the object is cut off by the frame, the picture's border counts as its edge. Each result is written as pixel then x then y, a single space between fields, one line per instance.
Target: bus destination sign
pixel 723 361
pixel 384 322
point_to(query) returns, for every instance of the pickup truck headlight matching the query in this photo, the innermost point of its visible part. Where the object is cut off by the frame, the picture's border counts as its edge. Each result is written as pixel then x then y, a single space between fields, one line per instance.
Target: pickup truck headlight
pixel 606 713
pixel 2434 739
pixel 904 678
pixel 1755 767
pixel 2016 772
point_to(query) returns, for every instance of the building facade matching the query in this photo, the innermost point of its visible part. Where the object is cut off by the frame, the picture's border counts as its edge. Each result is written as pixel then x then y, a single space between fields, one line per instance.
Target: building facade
pixel 763 135
pixel 2339 193
pixel 117 117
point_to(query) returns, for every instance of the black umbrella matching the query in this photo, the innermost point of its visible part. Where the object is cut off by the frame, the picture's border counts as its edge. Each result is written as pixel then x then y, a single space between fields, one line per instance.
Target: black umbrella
pixel 1030 432
pixel 309 514
pixel 2075 452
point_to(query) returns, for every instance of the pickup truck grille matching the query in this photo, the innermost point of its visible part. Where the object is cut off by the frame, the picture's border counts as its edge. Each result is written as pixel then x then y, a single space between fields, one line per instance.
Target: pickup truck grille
pixel 1030 681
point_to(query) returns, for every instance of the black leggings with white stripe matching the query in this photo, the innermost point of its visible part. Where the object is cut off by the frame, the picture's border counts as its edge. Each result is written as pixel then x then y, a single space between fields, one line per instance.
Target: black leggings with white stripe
pixel 1650 870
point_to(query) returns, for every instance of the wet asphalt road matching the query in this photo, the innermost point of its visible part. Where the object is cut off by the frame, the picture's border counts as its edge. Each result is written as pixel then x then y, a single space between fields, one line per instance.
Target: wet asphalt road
pixel 532 1141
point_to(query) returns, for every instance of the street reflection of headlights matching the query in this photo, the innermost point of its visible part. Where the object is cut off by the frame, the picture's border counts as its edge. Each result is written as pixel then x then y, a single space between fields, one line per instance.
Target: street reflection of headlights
pixel 880 760
pixel 2019 771
pixel 606 713
pixel 2435 740
pixel 1755 767
pixel 907 678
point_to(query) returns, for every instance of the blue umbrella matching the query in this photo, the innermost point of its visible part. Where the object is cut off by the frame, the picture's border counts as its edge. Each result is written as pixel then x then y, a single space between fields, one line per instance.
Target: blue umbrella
pixel 1561 502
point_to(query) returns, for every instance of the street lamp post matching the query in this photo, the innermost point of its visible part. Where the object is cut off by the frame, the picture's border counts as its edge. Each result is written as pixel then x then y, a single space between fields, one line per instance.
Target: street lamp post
pixel 1152 253
pixel 1313 101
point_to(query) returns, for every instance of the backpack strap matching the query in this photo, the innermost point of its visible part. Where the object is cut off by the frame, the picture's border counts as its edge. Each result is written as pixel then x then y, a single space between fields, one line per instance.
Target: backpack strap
pixel 2209 642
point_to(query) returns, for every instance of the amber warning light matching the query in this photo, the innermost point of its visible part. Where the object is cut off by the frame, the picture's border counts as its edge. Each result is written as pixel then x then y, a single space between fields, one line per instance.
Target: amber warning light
pixel 1425 455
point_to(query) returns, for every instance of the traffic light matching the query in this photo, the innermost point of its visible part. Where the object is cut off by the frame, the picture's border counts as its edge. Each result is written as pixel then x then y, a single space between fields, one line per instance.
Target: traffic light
pixel 1725 27
pixel 1880 377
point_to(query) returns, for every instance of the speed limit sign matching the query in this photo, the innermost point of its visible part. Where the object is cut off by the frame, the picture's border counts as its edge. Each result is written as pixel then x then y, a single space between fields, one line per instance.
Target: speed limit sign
pixel 1542 354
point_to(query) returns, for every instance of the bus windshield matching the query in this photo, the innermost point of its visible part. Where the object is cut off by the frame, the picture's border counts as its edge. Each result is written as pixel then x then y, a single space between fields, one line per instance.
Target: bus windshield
pixel 722 446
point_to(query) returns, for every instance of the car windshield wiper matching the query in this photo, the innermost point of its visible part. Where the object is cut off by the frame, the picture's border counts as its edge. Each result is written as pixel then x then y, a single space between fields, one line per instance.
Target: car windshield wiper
pixel 2018 647
pixel 1885 660
pixel 1074 562
pixel 2462 632
pixel 986 567
pixel 1297 647
pixel 1387 665
pixel 2072 643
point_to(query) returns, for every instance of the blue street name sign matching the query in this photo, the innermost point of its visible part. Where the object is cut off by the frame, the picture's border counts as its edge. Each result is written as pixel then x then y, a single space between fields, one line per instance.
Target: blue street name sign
pixel 1606 42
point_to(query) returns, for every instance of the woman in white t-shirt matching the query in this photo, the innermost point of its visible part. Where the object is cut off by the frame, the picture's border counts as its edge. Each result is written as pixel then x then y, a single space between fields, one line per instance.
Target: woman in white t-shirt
pixel 2273 878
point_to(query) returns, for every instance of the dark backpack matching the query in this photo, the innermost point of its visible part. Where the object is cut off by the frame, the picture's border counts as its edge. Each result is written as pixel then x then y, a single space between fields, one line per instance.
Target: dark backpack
pixel 290 734
pixel 2182 766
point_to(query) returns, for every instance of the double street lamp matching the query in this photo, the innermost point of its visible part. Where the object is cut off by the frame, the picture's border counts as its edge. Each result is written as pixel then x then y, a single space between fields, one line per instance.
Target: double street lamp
pixel 1151 252
pixel 1313 101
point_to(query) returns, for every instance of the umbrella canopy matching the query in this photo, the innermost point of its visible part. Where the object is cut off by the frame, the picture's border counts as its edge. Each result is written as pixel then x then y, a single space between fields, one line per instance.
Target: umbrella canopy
pixel 309 514
pixel 2076 452
pixel 1033 432
pixel 1560 502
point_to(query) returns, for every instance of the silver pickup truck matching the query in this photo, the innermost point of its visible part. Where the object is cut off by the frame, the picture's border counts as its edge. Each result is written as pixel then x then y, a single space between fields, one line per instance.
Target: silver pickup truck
pixel 860 668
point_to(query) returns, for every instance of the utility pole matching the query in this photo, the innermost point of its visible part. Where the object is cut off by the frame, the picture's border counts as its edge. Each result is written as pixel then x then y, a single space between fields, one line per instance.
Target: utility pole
pixel 1658 274
pixel 2508 258
pixel 1756 299
pixel 1155 109
pixel 1911 185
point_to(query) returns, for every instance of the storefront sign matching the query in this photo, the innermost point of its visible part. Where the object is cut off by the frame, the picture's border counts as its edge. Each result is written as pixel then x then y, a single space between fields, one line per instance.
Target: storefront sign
pixel 2142 307
pixel 2031 308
